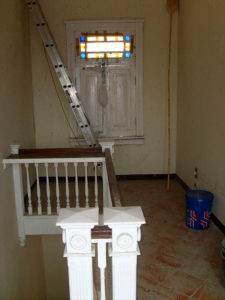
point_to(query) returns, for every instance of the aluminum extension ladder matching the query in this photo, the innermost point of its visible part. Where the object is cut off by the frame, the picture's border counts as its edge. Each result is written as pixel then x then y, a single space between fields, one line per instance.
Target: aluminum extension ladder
pixel 62 73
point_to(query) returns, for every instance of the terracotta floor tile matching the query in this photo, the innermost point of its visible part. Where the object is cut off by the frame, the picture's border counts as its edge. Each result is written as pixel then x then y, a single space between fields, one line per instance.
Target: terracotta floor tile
pixel 155 272
pixel 176 261
pixel 183 283
pixel 200 268
pixel 209 292
pixel 162 293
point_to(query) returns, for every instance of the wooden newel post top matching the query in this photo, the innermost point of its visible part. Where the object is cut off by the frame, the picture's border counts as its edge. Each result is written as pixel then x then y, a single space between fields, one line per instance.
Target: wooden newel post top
pixel 125 223
pixel 77 224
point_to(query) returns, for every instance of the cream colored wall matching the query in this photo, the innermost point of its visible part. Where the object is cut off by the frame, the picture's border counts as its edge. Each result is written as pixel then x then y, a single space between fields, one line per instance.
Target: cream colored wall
pixel 21 269
pixel 51 128
pixel 201 97
pixel 56 271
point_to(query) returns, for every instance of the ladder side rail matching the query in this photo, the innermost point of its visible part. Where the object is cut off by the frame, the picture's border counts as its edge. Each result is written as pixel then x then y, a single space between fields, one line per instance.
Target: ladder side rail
pixel 62 73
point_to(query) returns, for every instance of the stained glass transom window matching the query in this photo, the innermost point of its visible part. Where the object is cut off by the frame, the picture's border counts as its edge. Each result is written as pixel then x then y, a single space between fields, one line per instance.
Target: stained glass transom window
pixel 105 46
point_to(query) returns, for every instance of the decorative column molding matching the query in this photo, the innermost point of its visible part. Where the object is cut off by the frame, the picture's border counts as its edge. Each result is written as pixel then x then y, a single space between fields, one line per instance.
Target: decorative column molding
pixel 125 223
pixel 76 224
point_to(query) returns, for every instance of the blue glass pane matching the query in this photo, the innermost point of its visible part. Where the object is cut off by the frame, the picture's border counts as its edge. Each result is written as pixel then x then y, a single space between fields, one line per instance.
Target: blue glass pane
pixel 127 54
pixel 82 55
pixel 127 38
pixel 82 38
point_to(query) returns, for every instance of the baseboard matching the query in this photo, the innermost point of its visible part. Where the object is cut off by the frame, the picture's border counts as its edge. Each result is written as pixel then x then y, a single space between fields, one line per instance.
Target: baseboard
pixel 144 176
pixel 218 223
pixel 184 185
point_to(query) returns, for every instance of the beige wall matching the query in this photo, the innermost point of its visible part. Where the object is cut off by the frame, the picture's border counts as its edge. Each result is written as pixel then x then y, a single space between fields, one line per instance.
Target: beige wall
pixel 21 269
pixel 201 97
pixel 56 271
pixel 51 128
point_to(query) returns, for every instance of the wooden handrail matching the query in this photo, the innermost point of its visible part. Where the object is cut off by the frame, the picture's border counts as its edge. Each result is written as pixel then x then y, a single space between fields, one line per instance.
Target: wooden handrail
pixel 103 232
pixel 113 184
pixel 58 153
pixel 60 150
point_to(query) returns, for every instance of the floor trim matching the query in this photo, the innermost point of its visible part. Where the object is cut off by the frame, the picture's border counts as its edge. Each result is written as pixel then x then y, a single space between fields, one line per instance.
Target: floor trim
pixel 144 176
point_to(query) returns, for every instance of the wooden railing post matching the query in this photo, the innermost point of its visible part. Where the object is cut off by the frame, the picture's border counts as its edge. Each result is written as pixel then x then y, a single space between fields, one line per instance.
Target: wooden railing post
pixel 105 185
pixel 107 145
pixel 77 224
pixel 125 223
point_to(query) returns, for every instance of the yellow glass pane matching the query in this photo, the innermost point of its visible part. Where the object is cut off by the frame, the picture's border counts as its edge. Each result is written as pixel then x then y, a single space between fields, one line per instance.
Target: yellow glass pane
pixel 95 38
pixel 95 55
pixel 91 38
pixel 82 47
pixel 114 55
pixel 100 38
pixel 114 38
pixel 127 46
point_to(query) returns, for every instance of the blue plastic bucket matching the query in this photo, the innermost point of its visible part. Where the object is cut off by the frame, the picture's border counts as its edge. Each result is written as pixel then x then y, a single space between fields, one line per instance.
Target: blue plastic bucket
pixel 199 204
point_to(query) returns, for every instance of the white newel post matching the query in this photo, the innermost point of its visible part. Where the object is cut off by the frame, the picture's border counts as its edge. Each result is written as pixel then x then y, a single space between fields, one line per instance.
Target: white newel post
pixel 19 195
pixel 107 144
pixel 77 224
pixel 125 223
pixel 19 201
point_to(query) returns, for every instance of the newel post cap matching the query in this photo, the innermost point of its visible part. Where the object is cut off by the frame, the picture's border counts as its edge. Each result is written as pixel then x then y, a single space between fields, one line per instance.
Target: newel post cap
pixel 77 217
pixel 14 148
pixel 119 216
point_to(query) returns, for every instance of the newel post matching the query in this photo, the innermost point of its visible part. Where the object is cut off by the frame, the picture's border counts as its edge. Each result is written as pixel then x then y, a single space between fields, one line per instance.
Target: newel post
pixel 19 195
pixel 125 223
pixel 77 224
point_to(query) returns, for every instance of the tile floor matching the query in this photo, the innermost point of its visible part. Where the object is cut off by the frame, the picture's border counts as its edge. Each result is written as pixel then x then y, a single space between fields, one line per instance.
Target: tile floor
pixel 176 262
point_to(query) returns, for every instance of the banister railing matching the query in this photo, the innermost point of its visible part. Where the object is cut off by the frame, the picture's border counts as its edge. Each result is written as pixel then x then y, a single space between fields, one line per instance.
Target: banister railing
pixel 112 182
pixel 80 186
pixel 50 179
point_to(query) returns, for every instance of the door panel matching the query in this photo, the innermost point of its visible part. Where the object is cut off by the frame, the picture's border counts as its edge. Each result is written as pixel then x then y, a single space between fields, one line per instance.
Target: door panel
pixel 89 86
pixel 120 112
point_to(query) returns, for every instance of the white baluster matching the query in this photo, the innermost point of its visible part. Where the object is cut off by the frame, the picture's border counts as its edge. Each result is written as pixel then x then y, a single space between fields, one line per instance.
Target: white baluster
pixel 49 209
pixel 38 190
pixel 96 185
pixel 86 184
pixel 102 264
pixel 67 186
pixel 76 186
pixel 105 185
pixel 57 188
pixel 30 209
